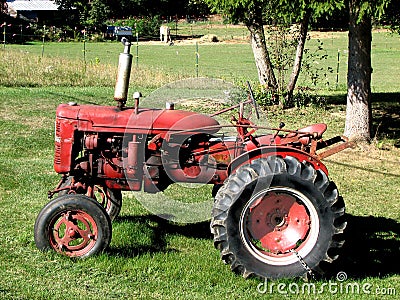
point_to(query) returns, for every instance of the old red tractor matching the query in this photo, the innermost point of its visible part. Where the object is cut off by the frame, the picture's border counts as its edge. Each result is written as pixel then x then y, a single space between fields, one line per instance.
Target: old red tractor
pixel 275 212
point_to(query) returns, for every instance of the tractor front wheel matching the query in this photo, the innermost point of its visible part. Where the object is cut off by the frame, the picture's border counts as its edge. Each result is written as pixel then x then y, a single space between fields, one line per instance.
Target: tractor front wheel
pixel 74 225
pixel 278 217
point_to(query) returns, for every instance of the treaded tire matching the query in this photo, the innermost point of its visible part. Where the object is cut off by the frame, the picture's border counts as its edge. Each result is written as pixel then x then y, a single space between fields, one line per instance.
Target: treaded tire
pixel 74 225
pixel 112 204
pixel 252 195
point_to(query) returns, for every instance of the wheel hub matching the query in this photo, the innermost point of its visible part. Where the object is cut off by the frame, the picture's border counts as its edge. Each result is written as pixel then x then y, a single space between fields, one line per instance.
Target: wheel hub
pixel 278 222
pixel 74 233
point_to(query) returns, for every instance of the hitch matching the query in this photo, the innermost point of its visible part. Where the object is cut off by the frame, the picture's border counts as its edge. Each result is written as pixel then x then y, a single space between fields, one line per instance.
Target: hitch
pixel 344 144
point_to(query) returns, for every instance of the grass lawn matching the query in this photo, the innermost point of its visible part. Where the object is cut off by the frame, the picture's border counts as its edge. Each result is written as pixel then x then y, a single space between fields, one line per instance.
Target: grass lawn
pixel 150 258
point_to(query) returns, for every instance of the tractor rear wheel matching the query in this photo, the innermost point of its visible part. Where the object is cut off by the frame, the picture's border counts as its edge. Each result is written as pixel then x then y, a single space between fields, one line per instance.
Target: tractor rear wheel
pixel 110 200
pixel 74 225
pixel 278 217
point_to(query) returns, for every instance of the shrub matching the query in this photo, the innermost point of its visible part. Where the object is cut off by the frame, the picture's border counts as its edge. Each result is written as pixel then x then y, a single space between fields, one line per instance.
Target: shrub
pixel 145 27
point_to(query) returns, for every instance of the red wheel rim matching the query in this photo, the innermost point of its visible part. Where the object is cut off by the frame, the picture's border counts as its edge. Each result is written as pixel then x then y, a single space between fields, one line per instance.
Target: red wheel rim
pixel 73 233
pixel 277 222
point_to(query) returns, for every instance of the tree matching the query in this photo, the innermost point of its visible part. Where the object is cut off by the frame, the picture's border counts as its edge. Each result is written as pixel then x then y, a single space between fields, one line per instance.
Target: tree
pixel 96 12
pixel 391 17
pixel 256 13
pixel 77 11
pixel 358 108
pixel 302 14
pixel 99 13
pixel 252 14
pixel 299 54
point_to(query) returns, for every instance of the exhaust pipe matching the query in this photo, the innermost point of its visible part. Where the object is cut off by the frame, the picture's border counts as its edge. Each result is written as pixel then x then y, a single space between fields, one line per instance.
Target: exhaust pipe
pixel 123 75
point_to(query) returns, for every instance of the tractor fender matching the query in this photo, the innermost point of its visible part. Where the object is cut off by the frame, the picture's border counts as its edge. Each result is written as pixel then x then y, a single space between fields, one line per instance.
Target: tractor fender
pixel 281 151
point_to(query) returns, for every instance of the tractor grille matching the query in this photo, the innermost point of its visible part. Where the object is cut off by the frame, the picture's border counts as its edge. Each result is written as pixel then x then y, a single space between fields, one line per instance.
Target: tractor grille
pixel 57 153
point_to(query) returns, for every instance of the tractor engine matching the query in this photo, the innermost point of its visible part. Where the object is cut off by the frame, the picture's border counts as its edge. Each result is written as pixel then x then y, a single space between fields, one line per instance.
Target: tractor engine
pixel 123 147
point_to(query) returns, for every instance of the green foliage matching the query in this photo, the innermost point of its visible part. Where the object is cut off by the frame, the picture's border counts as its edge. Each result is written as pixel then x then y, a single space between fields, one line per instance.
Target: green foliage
pixel 197 7
pixel 282 49
pixel 305 97
pixel 99 13
pixel 282 42
pixel 320 8
pixel 238 11
pixel 391 18
pixel 264 98
pixel 274 11
pixel 314 66
pixel 372 9
pixel 146 26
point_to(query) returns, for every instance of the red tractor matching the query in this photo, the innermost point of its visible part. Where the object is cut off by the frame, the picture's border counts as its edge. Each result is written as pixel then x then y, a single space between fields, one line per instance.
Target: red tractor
pixel 275 213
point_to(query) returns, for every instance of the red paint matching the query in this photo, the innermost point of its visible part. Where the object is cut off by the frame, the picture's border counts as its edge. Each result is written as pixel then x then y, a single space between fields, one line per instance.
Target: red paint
pixel 278 222
pixel 119 146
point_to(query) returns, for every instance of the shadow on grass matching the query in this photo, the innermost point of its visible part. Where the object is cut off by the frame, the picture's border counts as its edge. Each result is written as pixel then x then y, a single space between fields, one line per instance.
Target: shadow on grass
pixel 372 248
pixel 385 114
pixel 156 230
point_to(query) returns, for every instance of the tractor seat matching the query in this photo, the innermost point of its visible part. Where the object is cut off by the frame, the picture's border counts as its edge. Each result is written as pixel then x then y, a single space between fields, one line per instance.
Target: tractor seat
pixel 317 129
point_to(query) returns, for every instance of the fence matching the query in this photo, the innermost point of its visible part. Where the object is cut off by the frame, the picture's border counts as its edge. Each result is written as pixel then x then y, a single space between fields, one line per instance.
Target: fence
pixel 231 59
pixel 186 58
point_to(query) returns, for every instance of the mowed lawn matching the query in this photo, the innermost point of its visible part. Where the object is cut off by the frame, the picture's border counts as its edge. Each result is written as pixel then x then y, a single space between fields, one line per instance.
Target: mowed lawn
pixel 149 257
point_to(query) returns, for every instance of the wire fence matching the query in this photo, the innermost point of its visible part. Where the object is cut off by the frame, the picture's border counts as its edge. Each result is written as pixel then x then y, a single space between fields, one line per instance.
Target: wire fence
pixel 191 57
pixel 228 57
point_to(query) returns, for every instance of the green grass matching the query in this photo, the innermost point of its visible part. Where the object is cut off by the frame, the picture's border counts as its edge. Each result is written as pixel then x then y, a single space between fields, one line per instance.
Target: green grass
pixel 234 62
pixel 149 257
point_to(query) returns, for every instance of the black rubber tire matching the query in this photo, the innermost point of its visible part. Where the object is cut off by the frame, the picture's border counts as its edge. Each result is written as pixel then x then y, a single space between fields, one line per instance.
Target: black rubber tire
pixel 113 203
pixel 316 193
pixel 56 209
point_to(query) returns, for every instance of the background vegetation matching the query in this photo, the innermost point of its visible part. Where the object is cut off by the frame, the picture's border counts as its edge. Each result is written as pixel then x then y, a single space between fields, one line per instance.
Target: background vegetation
pixel 150 258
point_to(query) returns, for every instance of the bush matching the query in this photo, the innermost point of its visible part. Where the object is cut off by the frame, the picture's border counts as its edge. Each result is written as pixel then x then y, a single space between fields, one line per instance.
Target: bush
pixel 145 27
pixel 305 96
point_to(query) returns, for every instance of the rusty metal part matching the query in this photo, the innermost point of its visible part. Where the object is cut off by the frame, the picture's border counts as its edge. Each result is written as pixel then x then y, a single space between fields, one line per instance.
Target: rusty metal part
pixel 123 75
pixel 229 108
pixel 58 188
pixel 345 143
pixel 74 233
pixel 72 188
pixel 91 141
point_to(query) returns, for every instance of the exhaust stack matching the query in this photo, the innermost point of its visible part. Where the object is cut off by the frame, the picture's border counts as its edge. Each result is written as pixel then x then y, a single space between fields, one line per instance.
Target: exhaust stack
pixel 123 75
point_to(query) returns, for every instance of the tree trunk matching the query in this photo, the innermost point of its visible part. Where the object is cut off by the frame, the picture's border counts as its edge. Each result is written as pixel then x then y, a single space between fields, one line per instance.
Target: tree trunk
pixel 358 109
pixel 299 55
pixel 265 71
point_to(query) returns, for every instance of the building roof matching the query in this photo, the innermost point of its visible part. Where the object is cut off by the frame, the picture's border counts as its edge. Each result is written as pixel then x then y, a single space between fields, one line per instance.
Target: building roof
pixel 38 5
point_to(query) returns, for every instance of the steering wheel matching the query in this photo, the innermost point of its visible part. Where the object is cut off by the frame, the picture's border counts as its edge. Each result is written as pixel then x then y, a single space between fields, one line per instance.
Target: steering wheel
pixel 253 100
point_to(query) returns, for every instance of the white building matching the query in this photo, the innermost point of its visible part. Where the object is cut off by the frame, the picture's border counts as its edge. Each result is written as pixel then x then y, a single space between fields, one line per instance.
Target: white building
pixel 32 10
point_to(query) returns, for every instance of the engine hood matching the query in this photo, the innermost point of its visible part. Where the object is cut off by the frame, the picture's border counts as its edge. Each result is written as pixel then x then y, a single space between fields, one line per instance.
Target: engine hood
pixel 147 121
